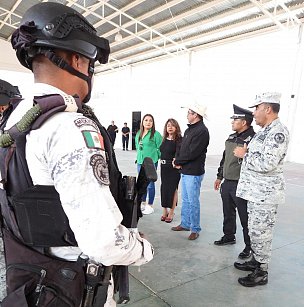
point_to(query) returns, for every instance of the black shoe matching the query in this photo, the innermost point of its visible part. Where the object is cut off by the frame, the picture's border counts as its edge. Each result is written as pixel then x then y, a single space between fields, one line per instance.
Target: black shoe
pixel 256 278
pixel 225 241
pixel 246 253
pixel 247 266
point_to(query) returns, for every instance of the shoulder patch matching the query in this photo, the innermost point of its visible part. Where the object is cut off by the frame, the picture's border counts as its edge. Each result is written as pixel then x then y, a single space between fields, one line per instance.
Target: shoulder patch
pixel 279 138
pixel 100 169
pixel 93 139
pixel 80 122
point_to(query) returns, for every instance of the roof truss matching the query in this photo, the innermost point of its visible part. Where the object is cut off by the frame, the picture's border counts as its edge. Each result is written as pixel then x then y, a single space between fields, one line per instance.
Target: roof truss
pixel 154 29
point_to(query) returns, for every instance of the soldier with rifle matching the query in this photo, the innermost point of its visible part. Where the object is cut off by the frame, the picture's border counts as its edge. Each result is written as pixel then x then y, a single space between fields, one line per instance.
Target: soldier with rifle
pixel 60 220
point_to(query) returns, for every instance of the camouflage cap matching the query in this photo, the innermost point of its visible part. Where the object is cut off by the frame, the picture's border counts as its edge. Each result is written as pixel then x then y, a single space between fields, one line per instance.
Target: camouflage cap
pixel 268 97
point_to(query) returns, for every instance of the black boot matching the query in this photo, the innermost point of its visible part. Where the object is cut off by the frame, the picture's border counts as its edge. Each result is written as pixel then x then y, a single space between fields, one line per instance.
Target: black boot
pixel 246 253
pixel 256 278
pixel 225 241
pixel 247 266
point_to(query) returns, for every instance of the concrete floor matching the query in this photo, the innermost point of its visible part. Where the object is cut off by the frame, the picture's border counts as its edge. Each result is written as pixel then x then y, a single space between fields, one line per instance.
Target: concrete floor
pixel 198 273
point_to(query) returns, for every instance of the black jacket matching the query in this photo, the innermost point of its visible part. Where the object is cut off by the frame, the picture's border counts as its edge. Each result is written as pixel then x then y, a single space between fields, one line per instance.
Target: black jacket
pixel 230 166
pixel 192 154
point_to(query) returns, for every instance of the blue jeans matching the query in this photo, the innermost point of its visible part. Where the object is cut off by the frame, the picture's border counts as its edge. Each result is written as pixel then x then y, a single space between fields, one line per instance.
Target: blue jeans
pixel 150 188
pixel 190 214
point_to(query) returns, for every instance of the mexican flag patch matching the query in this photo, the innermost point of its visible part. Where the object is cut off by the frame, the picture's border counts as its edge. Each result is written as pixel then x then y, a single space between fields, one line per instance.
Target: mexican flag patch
pixel 93 139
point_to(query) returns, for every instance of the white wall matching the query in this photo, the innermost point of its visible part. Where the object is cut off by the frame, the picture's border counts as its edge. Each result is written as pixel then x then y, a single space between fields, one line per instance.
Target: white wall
pixel 8 59
pixel 158 89
pixel 218 77
pixel 12 71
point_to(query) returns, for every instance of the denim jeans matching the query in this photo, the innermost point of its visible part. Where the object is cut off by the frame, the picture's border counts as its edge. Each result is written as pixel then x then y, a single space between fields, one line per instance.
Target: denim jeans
pixel 150 188
pixel 190 214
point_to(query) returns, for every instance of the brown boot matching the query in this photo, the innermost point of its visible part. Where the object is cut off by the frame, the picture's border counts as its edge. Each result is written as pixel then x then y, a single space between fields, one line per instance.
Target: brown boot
pixel 179 228
pixel 193 236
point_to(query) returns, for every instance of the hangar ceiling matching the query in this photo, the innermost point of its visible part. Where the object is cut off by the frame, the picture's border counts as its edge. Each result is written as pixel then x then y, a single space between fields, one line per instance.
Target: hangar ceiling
pixel 141 31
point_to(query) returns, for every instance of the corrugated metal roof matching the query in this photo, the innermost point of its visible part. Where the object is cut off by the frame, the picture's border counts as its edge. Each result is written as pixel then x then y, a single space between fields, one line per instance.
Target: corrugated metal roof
pixel 153 29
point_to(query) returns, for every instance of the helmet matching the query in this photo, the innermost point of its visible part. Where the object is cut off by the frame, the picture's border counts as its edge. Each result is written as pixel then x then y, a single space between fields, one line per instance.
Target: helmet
pixel 50 25
pixel 8 92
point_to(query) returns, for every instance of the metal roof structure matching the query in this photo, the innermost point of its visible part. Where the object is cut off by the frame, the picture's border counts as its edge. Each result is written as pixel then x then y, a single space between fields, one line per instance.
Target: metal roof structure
pixel 141 31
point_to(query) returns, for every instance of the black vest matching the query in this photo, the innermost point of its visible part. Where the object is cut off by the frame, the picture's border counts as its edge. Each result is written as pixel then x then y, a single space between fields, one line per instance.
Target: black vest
pixel 34 214
pixel 33 220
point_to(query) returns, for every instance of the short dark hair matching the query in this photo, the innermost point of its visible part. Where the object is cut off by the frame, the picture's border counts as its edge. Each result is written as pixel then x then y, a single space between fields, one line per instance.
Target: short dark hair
pixel 274 106
pixel 200 116
pixel 248 121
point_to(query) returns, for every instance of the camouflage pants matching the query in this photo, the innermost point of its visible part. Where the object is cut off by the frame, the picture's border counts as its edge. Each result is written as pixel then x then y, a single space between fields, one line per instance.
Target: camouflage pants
pixel 261 220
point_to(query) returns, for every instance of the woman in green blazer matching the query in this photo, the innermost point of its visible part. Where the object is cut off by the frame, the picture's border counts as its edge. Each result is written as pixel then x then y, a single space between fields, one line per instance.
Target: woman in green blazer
pixel 147 143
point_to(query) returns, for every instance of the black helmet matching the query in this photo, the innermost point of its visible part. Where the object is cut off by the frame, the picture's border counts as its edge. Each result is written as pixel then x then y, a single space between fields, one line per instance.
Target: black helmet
pixel 8 92
pixel 50 25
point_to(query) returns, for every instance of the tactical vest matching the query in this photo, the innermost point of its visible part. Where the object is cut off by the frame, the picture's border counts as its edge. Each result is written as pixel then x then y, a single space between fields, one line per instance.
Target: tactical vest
pixel 33 220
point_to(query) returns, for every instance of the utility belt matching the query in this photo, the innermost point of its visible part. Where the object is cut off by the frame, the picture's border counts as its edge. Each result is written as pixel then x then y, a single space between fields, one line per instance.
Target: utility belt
pixel 166 161
pixel 34 279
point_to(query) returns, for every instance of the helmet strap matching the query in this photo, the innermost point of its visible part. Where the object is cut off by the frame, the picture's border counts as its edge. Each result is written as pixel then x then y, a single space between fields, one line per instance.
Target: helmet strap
pixel 61 63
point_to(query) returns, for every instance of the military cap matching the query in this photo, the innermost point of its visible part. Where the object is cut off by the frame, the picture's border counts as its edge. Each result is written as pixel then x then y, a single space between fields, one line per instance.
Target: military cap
pixel 268 97
pixel 241 113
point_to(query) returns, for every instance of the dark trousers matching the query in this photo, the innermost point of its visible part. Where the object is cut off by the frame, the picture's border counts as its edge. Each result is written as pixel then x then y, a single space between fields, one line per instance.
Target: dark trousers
pixel 112 137
pixel 125 142
pixel 230 204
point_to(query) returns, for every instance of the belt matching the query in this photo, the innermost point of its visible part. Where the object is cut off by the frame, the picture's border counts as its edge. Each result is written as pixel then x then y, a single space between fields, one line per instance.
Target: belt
pixel 166 161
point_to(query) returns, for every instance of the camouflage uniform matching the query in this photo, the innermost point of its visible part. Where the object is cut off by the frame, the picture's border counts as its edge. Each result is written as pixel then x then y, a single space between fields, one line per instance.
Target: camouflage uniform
pixel 262 184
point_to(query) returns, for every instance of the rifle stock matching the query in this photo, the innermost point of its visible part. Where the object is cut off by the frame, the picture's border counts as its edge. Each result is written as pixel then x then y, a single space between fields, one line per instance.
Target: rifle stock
pixel 133 191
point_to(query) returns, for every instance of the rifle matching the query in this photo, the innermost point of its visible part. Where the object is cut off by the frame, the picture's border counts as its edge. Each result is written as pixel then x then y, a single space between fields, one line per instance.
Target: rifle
pixel 133 192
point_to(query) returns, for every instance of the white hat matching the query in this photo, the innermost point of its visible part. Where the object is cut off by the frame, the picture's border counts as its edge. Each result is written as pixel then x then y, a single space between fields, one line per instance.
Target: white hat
pixel 268 97
pixel 199 109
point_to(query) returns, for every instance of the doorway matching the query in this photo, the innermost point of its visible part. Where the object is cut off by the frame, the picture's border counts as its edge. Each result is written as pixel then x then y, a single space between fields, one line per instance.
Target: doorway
pixel 136 119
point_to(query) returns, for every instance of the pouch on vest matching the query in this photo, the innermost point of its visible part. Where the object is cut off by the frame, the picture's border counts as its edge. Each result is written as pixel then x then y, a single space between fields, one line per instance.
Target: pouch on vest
pixel 33 218
pixel 37 209
pixel 38 280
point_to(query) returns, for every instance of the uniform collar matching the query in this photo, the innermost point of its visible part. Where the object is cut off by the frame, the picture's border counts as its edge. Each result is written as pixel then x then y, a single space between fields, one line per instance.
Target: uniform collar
pixel 248 130
pixel 41 89
pixel 273 123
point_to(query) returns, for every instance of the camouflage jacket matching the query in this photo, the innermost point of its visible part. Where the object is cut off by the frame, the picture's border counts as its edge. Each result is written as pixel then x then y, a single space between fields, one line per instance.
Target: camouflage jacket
pixel 261 178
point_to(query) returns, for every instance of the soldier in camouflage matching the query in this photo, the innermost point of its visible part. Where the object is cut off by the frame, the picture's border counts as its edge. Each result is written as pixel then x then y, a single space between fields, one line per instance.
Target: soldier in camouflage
pixel 262 184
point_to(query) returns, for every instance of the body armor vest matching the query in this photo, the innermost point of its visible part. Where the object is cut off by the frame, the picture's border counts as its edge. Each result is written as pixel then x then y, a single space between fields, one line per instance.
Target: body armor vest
pixel 33 218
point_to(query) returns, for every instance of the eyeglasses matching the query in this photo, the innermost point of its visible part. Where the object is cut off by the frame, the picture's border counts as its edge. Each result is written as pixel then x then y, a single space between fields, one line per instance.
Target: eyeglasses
pixel 191 113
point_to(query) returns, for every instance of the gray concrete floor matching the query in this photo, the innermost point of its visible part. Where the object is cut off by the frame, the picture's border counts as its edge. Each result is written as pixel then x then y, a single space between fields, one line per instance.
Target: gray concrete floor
pixel 198 273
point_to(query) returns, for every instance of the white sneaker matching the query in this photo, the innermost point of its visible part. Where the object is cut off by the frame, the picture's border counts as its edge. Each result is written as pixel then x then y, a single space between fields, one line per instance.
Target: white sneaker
pixel 143 206
pixel 148 210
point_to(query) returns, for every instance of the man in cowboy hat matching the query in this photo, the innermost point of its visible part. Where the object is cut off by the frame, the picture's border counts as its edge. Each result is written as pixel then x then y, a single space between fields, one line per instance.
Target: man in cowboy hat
pixel 191 161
